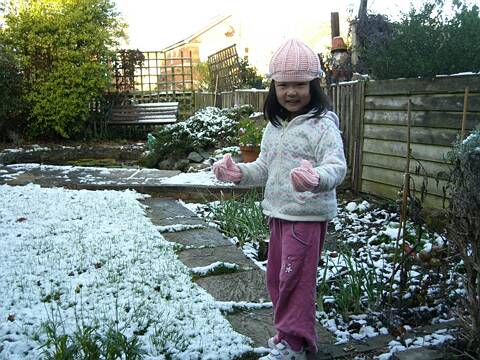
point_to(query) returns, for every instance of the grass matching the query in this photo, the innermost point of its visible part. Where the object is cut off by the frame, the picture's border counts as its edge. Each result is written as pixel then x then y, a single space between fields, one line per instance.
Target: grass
pixel 242 219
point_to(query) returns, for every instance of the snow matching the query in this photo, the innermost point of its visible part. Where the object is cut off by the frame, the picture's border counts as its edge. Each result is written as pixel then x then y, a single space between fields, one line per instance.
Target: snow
pixel 179 227
pixel 204 270
pixel 72 238
pixel 203 178
pixel 437 338
pixel 84 256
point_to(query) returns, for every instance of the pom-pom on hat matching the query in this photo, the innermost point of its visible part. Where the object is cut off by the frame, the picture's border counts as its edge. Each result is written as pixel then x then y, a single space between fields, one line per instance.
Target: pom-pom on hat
pixel 294 61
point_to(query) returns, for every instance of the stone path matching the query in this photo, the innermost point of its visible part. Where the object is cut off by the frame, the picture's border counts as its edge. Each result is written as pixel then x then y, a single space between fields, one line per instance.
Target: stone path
pixel 206 246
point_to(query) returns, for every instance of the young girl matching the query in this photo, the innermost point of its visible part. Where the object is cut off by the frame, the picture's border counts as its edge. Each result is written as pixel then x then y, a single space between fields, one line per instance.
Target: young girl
pixel 301 162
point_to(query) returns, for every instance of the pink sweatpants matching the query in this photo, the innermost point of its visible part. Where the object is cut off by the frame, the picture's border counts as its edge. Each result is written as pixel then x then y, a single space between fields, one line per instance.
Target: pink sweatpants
pixel 293 253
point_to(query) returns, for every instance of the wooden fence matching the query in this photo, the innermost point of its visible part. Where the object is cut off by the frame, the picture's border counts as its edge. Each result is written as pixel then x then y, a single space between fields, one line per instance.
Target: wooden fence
pixel 347 102
pixel 373 121
pixel 254 97
pixel 436 120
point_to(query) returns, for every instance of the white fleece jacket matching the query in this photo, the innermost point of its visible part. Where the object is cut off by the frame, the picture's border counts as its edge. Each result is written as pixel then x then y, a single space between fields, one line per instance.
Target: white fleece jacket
pixel 316 139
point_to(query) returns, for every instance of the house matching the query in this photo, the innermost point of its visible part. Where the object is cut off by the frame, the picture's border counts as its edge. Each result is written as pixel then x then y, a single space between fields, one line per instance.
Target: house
pixel 219 33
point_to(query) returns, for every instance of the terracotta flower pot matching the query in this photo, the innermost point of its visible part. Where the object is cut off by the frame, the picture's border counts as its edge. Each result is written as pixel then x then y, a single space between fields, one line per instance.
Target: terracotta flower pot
pixel 249 153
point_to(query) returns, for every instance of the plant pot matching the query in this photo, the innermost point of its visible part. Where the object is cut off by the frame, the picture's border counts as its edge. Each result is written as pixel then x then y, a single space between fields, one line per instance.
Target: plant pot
pixel 249 153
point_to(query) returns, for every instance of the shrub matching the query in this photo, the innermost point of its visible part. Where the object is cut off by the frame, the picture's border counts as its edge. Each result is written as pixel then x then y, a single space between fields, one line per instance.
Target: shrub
pixel 423 43
pixel 63 48
pixel 464 227
pixel 207 128
pixel 250 132
pixel 250 77
pixel 10 92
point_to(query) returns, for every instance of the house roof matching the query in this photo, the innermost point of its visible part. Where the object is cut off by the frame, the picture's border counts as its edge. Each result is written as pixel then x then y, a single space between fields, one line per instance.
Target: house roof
pixel 215 21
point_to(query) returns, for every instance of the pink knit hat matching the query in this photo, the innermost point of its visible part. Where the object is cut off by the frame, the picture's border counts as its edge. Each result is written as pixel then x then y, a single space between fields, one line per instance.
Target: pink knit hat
pixel 294 61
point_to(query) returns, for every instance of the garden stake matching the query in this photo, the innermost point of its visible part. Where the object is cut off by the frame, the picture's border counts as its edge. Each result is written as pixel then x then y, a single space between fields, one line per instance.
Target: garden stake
pixel 406 195
pixel 402 221
pixel 464 115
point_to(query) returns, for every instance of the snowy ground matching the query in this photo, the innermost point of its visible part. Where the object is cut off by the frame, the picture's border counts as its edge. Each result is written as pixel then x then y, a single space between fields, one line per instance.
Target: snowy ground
pixel 92 257
pixel 370 233
pixel 94 253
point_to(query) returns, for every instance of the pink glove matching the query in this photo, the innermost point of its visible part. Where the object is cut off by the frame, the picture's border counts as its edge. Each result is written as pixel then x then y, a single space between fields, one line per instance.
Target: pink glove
pixel 304 177
pixel 227 170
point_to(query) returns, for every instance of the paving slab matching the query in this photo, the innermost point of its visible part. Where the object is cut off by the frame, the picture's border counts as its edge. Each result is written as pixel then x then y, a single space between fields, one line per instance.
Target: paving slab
pixel 147 181
pixel 239 286
pixel 197 238
pixel 258 324
pixel 206 256
pixel 421 354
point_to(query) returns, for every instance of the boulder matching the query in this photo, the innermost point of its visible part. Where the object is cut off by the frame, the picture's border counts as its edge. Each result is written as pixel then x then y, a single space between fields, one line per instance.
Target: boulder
pixel 195 157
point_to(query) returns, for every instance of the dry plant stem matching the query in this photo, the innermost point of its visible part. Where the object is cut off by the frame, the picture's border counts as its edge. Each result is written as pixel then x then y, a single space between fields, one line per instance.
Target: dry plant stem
pixel 464 115
pixel 403 215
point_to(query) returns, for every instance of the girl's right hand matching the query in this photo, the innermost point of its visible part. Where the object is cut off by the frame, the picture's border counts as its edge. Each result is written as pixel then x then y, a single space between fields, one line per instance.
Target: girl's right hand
pixel 227 170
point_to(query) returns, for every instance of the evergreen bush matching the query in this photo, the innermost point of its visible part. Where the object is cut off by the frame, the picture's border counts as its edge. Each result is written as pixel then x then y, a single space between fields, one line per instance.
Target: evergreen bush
pixel 424 43
pixel 464 229
pixel 63 49
pixel 207 128
pixel 11 105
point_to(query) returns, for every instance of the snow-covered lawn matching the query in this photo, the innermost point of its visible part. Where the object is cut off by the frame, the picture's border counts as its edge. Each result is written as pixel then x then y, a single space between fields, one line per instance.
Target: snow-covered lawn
pixel 93 258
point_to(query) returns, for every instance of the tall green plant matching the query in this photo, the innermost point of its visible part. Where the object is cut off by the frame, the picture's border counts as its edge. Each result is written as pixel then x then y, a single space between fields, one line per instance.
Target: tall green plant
pixel 242 218
pixel 63 48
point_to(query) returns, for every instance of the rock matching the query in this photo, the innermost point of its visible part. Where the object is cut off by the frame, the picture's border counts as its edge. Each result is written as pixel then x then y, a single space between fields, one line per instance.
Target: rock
pixel 166 164
pixel 205 154
pixel 181 164
pixel 195 157
pixel 197 167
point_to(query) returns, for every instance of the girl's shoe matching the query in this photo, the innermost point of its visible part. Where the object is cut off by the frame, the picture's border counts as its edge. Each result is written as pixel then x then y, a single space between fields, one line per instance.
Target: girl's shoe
pixel 272 342
pixel 282 351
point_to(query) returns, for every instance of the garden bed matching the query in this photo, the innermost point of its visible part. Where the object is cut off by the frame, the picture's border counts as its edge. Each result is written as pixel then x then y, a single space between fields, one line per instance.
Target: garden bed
pixel 103 154
pixel 358 283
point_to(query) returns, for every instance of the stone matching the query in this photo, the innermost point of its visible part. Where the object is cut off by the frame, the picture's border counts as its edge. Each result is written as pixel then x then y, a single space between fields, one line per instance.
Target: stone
pixel 258 324
pixel 181 164
pixel 166 164
pixel 166 209
pixel 239 286
pixel 197 167
pixel 198 238
pixel 195 157
pixel 420 354
pixel 205 154
pixel 206 256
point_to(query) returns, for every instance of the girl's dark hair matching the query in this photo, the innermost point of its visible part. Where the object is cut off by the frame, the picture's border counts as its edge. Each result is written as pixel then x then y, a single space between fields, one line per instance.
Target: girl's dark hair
pixel 319 102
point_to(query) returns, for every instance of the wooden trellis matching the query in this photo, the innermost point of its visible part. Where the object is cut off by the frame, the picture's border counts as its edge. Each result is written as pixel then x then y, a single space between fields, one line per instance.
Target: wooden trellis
pixel 225 71
pixel 158 78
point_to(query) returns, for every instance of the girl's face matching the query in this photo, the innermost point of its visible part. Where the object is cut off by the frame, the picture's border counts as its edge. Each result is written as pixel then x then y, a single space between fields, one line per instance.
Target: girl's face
pixel 293 96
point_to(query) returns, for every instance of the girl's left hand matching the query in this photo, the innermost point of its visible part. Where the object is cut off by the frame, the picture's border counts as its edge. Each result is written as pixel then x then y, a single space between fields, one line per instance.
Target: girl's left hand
pixel 304 177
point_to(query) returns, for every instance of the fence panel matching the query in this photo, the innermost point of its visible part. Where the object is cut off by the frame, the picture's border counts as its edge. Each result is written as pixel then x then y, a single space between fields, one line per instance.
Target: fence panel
pixel 203 100
pixel 436 118
pixel 347 102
